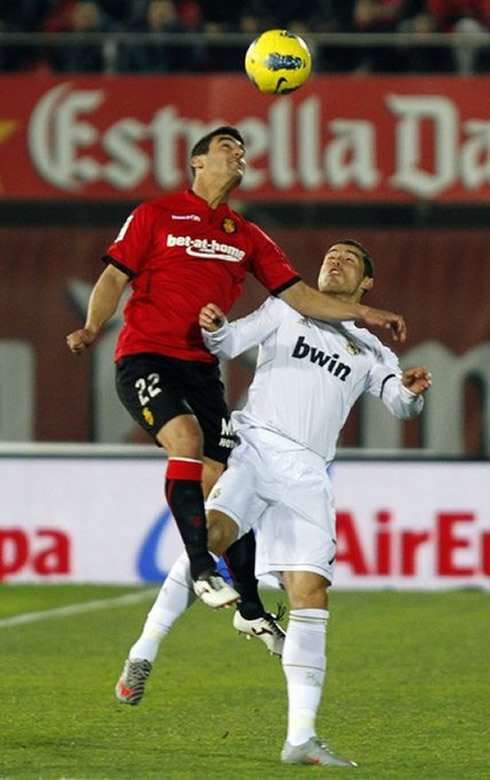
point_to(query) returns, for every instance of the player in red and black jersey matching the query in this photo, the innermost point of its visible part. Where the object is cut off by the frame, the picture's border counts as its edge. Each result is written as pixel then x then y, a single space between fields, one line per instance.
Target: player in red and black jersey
pixel 179 253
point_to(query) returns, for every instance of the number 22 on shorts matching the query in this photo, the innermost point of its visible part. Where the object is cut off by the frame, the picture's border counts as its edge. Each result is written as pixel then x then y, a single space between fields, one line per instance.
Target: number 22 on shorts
pixel 147 388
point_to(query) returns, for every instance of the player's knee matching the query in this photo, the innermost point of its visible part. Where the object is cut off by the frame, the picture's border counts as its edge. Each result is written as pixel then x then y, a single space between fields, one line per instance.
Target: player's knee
pixel 211 473
pixel 317 599
pixel 182 437
pixel 306 590
pixel 222 532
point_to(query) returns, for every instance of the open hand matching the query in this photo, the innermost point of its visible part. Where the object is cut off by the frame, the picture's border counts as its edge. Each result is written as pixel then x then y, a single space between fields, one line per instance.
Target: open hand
pixel 388 320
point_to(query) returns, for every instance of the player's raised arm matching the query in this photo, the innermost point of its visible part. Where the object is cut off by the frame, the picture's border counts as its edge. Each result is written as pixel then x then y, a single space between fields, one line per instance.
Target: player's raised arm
pixel 321 306
pixel 229 339
pixel 102 304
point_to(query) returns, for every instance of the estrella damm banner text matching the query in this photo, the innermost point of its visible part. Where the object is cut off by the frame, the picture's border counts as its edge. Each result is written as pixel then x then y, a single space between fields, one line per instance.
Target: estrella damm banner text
pixel 339 138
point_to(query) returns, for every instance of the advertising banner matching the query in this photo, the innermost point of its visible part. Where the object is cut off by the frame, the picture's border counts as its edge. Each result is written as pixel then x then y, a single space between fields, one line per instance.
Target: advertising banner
pixel 339 138
pixel 85 520
pixel 404 525
pixel 412 525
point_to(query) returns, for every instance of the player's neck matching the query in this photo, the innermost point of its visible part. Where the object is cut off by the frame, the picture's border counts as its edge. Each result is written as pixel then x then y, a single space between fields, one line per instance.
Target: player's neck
pixel 354 298
pixel 215 194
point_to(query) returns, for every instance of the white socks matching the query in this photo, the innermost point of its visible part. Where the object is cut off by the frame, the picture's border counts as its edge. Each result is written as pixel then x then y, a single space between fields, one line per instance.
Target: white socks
pixel 175 596
pixel 304 662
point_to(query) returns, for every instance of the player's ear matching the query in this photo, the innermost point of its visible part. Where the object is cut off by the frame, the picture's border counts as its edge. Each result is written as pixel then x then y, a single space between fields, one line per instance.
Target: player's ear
pixel 197 161
pixel 367 284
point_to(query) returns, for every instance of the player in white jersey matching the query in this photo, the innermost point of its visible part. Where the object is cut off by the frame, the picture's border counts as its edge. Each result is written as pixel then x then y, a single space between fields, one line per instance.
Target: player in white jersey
pixel 308 376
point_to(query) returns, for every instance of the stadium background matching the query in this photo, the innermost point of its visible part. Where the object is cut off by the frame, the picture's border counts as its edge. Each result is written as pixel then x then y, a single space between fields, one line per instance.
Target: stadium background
pixel 398 161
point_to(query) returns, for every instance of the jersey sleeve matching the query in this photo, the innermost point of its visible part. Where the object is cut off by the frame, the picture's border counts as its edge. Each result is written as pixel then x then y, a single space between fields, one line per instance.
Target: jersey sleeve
pixel 385 382
pixel 131 244
pixel 270 265
pixel 236 337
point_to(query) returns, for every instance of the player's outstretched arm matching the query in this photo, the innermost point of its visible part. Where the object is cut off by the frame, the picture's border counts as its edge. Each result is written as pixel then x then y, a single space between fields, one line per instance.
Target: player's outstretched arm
pixel 103 302
pixel 229 339
pixel 320 306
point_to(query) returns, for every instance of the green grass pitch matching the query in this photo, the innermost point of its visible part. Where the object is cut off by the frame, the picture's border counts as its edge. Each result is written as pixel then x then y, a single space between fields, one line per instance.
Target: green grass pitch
pixel 406 696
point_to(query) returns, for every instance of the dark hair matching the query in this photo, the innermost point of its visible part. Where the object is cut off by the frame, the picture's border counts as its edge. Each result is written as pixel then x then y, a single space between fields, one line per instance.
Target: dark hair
pixel 202 146
pixel 368 260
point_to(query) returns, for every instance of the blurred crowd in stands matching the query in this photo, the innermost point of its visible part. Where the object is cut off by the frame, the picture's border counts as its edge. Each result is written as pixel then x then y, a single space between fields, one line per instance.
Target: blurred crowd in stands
pixel 249 17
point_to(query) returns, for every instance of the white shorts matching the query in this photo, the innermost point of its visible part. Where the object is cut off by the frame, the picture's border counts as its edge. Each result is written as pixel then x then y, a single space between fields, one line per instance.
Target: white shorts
pixel 284 493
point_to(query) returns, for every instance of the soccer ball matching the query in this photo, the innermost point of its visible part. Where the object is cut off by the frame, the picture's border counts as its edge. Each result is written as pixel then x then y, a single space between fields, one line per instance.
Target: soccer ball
pixel 278 62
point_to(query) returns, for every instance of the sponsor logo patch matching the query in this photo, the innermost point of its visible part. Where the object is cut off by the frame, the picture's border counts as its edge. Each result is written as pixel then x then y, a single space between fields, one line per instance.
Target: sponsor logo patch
pixel 206 248
pixel 302 350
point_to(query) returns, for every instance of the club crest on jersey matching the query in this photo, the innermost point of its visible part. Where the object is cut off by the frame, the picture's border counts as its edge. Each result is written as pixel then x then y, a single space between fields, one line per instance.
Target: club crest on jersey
pixel 229 225
pixel 352 348
pixel 148 415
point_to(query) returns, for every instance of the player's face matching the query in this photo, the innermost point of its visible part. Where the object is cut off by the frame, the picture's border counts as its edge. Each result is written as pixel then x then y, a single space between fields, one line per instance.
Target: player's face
pixel 342 272
pixel 224 159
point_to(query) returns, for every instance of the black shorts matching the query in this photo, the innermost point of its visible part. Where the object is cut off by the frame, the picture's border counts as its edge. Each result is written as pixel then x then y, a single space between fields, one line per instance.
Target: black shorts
pixel 155 389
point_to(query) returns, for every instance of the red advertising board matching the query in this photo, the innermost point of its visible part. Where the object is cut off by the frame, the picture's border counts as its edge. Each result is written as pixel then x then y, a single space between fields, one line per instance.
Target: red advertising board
pixel 339 138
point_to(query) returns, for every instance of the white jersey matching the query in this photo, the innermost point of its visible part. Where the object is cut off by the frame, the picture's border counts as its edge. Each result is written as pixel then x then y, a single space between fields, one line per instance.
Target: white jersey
pixel 309 374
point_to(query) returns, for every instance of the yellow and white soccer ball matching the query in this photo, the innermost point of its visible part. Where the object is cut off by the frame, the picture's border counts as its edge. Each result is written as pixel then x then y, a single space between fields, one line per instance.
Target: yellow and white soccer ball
pixel 278 62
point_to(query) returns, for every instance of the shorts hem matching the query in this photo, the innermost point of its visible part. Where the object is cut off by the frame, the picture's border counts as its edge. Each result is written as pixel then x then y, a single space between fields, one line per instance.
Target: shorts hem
pixel 276 569
pixel 229 513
